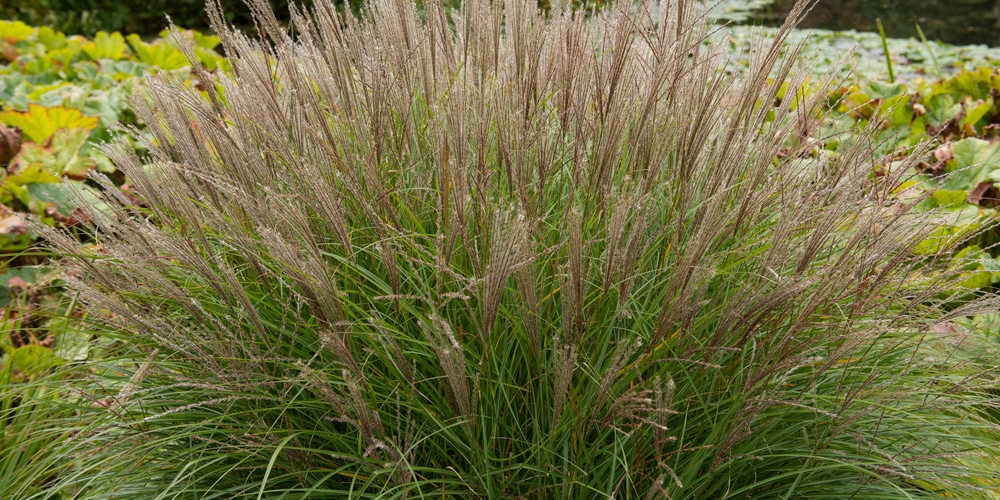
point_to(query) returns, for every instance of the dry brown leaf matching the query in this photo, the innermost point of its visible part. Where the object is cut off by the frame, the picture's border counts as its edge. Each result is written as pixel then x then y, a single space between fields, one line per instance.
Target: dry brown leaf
pixel 17 286
pixel 11 223
pixel 10 143
pixel 985 194
pixel 943 153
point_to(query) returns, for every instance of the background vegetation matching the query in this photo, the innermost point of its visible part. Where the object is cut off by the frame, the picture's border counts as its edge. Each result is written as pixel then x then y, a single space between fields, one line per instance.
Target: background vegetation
pixel 146 18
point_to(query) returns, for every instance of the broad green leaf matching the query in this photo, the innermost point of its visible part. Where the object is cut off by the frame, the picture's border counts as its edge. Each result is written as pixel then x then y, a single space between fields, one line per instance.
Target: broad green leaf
pixel 161 55
pixel 941 108
pixel 954 226
pixel 200 40
pixel 60 155
pixel 205 41
pixel 108 105
pixel 899 106
pixel 72 341
pixel 39 122
pixel 104 164
pixel 33 360
pixel 978 268
pixel 36 65
pixel 883 90
pixel 87 70
pixel 129 68
pixel 972 162
pixel 909 190
pixel 860 105
pixel 211 59
pixel 952 199
pixel 59 94
pixel 974 111
pixel 51 38
pixel 65 56
pixel 17 97
pixel 17 184
pixel 976 84
pixel 918 132
pixel 105 46
pixel 68 196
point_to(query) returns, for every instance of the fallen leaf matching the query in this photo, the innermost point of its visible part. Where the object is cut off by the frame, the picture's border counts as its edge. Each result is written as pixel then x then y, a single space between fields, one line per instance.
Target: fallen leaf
pixel 943 153
pixel 936 168
pixel 10 143
pixel 948 129
pixel 991 132
pixel 17 286
pixel 985 194
pixel 76 216
pixel 13 224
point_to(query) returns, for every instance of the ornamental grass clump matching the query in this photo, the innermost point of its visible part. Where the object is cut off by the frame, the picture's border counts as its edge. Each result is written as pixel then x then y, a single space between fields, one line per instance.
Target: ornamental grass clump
pixel 501 253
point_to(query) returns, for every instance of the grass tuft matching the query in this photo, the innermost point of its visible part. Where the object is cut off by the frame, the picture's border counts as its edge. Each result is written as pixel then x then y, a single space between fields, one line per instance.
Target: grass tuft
pixel 499 253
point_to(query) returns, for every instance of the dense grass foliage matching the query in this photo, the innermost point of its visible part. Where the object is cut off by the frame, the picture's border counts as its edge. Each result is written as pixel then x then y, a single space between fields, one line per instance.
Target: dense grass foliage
pixel 491 253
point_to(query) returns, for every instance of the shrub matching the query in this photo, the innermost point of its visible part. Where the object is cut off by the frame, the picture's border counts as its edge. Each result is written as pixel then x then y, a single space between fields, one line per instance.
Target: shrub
pixel 491 253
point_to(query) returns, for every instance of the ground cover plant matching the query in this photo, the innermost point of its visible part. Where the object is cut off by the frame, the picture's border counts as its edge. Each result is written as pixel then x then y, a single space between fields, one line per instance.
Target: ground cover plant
pixel 952 126
pixel 60 96
pixel 911 58
pixel 496 253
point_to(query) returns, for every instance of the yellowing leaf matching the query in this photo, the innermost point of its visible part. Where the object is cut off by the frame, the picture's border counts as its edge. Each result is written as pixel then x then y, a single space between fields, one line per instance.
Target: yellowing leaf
pixel 51 38
pixel 200 40
pixel 14 31
pixel 39 122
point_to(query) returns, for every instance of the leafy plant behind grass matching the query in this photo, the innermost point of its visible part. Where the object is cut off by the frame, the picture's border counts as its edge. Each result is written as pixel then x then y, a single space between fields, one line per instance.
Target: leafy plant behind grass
pixel 58 96
pixel 492 254
pixel 951 126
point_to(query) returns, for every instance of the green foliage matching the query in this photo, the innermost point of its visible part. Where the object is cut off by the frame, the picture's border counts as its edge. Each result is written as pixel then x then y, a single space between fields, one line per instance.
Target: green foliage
pixel 65 94
pixel 863 53
pixel 40 123
pixel 88 17
pixel 952 126
pixel 106 46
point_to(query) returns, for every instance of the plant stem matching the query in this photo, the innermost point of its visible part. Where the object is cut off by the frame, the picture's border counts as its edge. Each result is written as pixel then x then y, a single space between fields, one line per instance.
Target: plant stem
pixel 923 39
pixel 885 49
